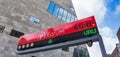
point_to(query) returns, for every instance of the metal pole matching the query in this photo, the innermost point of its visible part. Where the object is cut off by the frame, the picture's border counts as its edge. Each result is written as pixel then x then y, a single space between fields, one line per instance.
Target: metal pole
pixel 102 47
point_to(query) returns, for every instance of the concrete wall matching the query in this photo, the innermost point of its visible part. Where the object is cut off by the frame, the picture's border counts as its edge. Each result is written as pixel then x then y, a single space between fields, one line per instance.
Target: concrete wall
pixel 14 14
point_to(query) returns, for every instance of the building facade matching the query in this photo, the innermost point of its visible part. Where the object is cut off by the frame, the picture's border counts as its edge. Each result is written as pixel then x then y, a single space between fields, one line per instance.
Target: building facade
pixel 19 17
pixel 116 51
pixel 81 51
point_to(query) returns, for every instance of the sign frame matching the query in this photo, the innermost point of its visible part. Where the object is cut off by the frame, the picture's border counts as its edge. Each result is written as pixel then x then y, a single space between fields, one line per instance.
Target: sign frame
pixel 94 38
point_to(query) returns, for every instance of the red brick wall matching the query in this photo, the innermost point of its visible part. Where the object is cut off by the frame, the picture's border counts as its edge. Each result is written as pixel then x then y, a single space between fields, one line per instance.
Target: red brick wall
pixel 114 53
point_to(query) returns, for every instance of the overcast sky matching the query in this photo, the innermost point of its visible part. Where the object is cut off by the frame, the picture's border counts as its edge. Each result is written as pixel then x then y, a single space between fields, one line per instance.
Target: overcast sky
pixel 107 14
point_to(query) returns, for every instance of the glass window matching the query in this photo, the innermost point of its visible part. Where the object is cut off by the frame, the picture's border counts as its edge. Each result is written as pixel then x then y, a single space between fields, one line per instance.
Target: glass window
pixel 68 17
pixel 60 14
pixel 64 15
pixel 51 7
pixel 56 9
pixel 76 19
pixel 71 8
pixel 34 19
pixel 16 33
pixel 72 18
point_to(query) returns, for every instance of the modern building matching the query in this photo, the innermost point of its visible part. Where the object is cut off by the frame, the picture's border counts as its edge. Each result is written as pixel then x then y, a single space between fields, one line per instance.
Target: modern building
pixel 81 51
pixel 116 52
pixel 19 17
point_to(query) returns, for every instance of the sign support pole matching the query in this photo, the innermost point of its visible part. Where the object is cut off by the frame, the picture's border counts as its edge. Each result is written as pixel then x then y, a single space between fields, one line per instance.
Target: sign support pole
pixel 102 47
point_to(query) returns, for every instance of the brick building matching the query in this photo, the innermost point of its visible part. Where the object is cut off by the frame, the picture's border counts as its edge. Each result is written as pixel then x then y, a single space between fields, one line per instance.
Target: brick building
pixel 116 52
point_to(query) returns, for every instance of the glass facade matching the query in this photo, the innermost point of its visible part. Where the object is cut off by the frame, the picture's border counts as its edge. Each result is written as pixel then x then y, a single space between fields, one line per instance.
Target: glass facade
pixel 59 12
pixel 64 15
pixel 56 10
pixel 80 52
pixel 72 18
pixel 69 17
pixel 51 7
pixel 71 8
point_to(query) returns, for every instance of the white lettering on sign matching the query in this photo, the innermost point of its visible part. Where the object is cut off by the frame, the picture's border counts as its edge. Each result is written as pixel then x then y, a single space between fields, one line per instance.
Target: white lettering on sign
pixel 42 35
pixel 55 33
pixel 45 35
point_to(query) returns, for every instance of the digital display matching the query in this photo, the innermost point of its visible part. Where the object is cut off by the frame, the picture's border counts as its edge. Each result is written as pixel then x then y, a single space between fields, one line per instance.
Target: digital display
pixel 90 32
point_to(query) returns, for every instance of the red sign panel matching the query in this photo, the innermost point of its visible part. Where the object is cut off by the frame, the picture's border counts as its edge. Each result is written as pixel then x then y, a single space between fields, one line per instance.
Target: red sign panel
pixel 67 32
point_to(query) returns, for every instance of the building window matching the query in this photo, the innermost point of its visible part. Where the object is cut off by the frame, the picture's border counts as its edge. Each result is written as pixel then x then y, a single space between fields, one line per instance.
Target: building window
pixel 2 28
pixel 56 10
pixel 80 52
pixel 51 7
pixel 69 17
pixel 76 19
pixel 16 33
pixel 72 18
pixel 64 15
pixel 71 8
pixel 34 19
pixel 59 12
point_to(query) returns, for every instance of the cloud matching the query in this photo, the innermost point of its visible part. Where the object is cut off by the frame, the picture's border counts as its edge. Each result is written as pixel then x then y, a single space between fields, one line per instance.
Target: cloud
pixel 117 10
pixel 109 39
pixel 85 8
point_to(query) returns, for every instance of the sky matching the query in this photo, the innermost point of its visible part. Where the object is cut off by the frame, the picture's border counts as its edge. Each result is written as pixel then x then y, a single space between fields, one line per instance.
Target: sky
pixel 107 15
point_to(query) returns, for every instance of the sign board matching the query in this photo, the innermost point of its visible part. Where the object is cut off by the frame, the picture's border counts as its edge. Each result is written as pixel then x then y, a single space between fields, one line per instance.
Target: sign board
pixel 59 36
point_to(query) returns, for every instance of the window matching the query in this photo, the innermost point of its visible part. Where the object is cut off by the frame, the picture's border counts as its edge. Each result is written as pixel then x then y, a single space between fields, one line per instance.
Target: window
pixel 33 56
pixel 76 19
pixel 64 15
pixel 16 33
pixel 71 8
pixel 60 13
pixel 34 19
pixel 72 18
pixel 51 7
pixel 69 17
pixel 56 9
pixel 2 28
